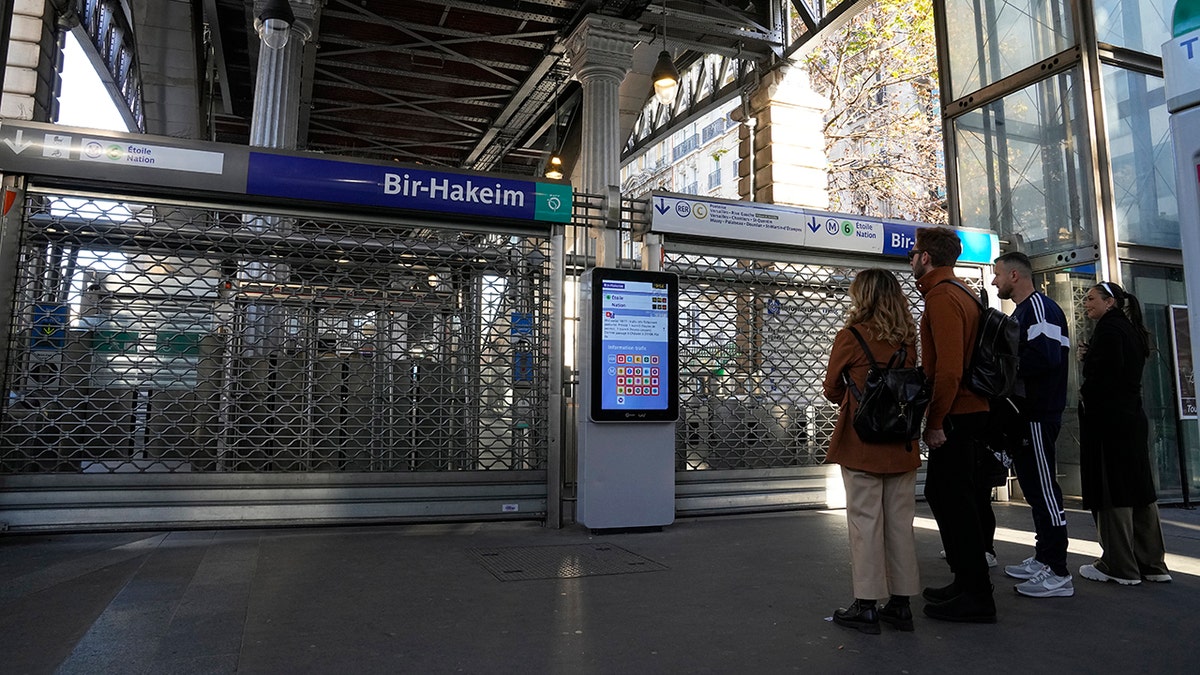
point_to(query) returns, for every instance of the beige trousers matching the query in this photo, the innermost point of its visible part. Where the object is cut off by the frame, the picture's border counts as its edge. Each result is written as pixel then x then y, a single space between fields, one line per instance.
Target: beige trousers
pixel 879 516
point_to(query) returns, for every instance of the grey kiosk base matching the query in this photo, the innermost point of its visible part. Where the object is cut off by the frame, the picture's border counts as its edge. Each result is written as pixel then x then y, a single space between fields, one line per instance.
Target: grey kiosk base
pixel 628 400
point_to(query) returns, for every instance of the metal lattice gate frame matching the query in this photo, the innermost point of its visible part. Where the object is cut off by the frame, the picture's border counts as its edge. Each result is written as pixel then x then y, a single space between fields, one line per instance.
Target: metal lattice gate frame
pixel 159 344
pixel 756 328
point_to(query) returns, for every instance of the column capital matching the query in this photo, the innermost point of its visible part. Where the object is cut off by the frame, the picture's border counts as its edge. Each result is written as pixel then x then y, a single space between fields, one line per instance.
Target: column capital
pixel 602 45
pixel 305 12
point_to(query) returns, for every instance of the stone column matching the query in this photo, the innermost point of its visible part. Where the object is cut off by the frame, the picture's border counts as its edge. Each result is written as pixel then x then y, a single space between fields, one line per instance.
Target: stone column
pixel 275 120
pixel 601 51
pixel 21 98
pixel 274 124
pixel 782 142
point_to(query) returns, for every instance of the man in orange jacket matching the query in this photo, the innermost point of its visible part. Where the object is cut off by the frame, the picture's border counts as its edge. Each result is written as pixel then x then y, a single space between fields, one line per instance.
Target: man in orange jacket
pixel 956 417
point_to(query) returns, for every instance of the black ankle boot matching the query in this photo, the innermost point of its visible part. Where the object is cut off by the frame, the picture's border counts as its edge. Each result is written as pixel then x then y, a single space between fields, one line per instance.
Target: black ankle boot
pixel 898 613
pixel 861 616
pixel 941 593
pixel 970 607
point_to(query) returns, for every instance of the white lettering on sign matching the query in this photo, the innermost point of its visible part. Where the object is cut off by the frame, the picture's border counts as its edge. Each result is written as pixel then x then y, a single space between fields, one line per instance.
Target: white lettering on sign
pixel 447 190
pixel 902 241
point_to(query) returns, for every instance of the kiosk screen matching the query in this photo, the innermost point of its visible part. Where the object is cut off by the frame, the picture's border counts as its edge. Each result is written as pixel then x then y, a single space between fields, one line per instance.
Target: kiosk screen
pixel 635 346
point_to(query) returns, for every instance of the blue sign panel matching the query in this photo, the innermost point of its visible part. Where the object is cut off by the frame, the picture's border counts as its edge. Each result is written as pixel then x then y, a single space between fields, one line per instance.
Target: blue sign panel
pixel 899 238
pixel 398 187
pixel 49 326
pixel 521 323
pixel 521 330
pixel 522 366
pixel 977 247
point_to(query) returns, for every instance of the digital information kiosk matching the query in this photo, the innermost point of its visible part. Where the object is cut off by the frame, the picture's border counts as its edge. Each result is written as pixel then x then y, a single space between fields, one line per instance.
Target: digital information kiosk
pixel 628 398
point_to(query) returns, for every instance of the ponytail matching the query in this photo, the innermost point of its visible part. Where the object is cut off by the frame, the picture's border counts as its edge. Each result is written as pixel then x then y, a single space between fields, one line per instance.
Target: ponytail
pixel 1133 309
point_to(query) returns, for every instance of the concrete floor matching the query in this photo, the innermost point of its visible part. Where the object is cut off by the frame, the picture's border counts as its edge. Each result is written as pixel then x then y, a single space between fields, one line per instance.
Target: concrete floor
pixel 733 594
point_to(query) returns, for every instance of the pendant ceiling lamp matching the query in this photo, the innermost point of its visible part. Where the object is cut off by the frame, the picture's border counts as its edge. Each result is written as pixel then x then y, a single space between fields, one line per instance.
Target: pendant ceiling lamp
pixel 665 75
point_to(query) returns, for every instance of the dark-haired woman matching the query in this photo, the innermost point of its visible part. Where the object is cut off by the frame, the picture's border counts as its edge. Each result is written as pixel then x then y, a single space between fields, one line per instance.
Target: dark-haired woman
pixel 1118 485
pixel 880 478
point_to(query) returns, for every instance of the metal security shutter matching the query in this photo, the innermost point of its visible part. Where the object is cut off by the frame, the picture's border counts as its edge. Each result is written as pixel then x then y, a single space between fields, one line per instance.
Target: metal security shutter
pixel 174 363
pixel 756 327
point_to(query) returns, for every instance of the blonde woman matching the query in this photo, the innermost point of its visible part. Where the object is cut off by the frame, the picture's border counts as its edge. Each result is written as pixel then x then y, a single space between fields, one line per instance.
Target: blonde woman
pixel 880 478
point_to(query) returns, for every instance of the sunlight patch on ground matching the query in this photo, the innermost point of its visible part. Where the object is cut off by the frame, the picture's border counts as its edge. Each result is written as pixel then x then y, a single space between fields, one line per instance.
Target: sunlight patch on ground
pixel 1177 563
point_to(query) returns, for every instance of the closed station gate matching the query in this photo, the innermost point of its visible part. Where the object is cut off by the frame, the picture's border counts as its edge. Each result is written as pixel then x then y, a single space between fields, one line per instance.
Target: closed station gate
pixel 756 330
pixel 189 348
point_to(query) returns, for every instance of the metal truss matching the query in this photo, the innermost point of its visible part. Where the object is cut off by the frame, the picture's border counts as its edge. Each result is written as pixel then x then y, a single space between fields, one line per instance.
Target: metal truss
pixel 719 74
pixel 110 36
pixel 706 83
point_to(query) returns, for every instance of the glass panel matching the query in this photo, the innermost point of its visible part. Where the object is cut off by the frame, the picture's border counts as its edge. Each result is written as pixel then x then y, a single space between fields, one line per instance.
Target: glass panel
pixel 988 40
pixel 1143 158
pixel 1134 24
pixel 1157 288
pixel 1067 287
pixel 1022 167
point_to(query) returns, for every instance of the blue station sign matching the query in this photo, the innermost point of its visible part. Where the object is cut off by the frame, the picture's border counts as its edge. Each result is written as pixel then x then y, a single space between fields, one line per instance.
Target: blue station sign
pixel 394 186
pixel 139 159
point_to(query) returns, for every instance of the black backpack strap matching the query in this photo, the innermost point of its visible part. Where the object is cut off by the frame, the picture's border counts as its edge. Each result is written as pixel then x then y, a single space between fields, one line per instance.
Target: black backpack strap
pixel 863 343
pixel 901 353
pixel 870 357
pixel 980 300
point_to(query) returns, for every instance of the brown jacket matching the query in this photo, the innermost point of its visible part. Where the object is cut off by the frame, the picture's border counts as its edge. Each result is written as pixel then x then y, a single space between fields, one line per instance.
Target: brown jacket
pixel 948 332
pixel 845 447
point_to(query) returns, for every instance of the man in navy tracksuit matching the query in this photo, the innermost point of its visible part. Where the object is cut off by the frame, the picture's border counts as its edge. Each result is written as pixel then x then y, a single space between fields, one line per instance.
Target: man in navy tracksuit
pixel 1037 407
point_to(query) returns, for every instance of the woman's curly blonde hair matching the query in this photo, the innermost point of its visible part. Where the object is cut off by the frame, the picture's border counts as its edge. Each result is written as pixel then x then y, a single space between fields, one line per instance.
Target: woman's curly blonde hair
pixel 879 304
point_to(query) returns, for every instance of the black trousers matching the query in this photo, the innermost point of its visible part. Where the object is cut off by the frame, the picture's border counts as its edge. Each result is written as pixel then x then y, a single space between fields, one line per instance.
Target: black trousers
pixel 952 491
pixel 1035 462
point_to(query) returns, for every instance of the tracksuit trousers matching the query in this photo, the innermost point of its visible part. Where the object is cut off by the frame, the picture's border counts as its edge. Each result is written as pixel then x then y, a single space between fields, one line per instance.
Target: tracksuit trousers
pixel 1035 463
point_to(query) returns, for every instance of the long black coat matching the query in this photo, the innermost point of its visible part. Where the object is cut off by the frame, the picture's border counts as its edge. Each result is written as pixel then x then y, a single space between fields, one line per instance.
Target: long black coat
pixel 1114 435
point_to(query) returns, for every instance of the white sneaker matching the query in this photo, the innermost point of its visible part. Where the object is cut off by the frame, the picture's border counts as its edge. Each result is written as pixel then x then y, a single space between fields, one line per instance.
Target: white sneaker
pixel 1160 578
pixel 1046 584
pixel 1026 569
pixel 1090 572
